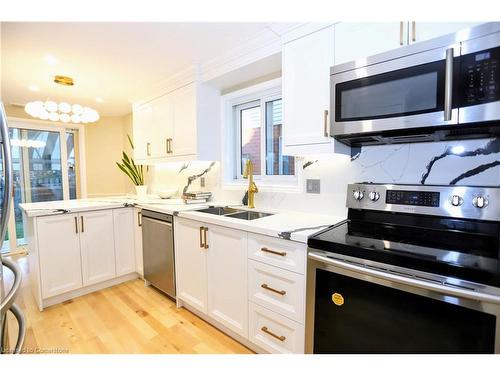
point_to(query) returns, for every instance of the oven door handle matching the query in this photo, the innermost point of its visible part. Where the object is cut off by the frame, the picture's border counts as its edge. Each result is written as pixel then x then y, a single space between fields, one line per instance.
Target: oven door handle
pixel 398 278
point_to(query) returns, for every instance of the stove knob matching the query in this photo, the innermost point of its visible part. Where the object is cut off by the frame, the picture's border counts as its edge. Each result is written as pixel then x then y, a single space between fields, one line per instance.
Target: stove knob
pixel 374 196
pixel 480 202
pixel 358 195
pixel 456 200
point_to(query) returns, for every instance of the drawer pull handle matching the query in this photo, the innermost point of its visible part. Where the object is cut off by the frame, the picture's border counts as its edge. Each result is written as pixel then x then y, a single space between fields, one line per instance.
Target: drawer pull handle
pixel 266 250
pixel 280 292
pixel 266 330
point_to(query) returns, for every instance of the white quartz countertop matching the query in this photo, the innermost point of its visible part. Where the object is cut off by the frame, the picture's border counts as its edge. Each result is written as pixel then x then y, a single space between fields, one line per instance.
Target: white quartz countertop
pixel 291 225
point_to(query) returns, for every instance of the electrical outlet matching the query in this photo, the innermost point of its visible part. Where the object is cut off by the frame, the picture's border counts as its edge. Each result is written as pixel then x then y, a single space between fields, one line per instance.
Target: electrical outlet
pixel 202 181
pixel 313 186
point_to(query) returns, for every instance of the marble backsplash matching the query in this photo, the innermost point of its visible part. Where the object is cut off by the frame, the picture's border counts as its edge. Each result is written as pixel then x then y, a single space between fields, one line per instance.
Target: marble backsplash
pixel 466 162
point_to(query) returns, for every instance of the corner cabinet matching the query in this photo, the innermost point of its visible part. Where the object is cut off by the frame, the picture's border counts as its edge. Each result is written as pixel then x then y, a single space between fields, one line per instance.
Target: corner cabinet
pixel 74 254
pixel 179 125
pixel 306 62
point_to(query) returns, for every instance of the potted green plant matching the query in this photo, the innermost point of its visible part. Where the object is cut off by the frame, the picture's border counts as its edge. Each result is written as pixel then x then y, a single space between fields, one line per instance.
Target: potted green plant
pixel 134 171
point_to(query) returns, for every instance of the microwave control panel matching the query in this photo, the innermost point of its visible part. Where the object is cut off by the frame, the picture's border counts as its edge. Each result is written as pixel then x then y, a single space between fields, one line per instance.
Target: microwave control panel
pixel 480 77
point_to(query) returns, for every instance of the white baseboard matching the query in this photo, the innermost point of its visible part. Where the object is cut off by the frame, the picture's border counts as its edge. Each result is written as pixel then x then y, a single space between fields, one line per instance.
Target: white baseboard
pixel 46 302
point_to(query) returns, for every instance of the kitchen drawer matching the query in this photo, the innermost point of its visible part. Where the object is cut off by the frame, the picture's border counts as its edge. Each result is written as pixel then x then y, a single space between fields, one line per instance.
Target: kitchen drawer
pixel 276 289
pixel 275 333
pixel 285 254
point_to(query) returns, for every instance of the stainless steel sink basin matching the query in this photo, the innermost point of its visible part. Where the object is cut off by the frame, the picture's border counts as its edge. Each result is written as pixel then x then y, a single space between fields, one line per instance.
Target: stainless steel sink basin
pixel 249 215
pixel 219 210
pixel 234 213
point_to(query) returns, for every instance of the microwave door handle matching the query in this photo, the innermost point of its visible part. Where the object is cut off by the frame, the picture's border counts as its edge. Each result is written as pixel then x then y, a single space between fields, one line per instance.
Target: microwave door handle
pixel 448 84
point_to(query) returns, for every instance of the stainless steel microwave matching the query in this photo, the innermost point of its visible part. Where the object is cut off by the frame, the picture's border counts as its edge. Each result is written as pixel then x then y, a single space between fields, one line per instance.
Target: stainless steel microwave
pixel 444 88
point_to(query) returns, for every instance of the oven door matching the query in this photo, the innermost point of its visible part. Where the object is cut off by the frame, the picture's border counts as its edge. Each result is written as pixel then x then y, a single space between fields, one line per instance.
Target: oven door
pixel 412 91
pixel 355 308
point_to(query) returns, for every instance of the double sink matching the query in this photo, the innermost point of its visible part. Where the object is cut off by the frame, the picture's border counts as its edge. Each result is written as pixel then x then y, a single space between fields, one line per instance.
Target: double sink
pixel 234 213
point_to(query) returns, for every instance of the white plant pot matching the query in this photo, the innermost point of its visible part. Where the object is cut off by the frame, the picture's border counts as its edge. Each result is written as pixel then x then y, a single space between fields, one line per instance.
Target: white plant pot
pixel 141 191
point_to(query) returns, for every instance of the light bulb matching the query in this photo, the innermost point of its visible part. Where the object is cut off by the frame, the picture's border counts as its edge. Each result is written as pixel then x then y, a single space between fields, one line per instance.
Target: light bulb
pixel 76 119
pixel 65 117
pixel 64 107
pixel 50 106
pixel 53 116
pixel 77 109
pixel 43 115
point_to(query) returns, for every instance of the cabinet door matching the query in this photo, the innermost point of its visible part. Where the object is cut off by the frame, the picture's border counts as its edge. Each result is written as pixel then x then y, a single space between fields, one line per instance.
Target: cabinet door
pixel 124 228
pixel 185 125
pixel 59 251
pixel 227 278
pixel 420 31
pixel 354 40
pixel 139 268
pixel 142 124
pixel 97 246
pixel 163 123
pixel 191 263
pixel 306 88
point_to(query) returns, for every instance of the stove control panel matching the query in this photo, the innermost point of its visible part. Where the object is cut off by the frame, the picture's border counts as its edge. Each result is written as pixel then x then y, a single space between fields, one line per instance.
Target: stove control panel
pixel 451 201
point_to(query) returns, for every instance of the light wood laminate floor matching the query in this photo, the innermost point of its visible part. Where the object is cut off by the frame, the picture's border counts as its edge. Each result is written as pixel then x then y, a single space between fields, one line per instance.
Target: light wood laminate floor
pixel 127 318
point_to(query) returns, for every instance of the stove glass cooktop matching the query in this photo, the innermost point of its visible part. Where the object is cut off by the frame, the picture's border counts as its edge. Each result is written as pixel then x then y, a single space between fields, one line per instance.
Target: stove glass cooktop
pixel 466 249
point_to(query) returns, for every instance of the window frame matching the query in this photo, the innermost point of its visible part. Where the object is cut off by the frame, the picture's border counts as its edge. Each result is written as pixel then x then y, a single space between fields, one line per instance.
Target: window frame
pixel 232 104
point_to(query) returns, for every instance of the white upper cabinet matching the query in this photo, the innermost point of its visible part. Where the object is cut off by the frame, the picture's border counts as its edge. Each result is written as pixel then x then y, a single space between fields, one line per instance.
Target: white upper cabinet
pixel 354 40
pixel 182 124
pixel 420 31
pixel 306 63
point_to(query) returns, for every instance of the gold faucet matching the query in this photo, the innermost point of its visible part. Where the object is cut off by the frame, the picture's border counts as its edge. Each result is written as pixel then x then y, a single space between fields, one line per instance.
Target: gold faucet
pixel 252 188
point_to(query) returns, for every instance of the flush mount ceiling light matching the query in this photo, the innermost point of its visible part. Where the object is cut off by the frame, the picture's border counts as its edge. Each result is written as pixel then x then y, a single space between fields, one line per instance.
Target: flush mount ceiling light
pixel 63 111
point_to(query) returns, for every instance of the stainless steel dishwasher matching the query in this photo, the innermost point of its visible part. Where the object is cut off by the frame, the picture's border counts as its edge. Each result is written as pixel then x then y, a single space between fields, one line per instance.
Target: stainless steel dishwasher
pixel 158 251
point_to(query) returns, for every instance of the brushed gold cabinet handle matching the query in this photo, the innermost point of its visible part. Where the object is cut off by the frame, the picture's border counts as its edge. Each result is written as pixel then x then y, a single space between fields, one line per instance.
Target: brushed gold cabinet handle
pixel 266 330
pixel 170 145
pixel 413 31
pixel 148 149
pixel 325 115
pixel 83 228
pixel 401 27
pixel 205 237
pixel 167 149
pixel 76 224
pixel 266 250
pixel 201 238
pixel 280 292
pixel 139 218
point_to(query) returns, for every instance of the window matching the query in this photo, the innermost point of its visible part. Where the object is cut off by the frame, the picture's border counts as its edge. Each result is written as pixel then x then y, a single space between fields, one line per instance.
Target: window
pixel 258 130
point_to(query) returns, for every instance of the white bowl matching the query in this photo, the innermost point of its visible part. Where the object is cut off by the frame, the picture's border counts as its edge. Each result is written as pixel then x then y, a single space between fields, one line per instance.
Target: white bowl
pixel 166 193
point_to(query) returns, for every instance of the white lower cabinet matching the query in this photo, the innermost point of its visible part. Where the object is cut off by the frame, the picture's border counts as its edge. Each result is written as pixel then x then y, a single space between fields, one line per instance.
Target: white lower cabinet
pixel 190 263
pixel 81 250
pixel 139 263
pixel 97 246
pixel 59 254
pixel 243 281
pixel 123 226
pixel 273 332
pixel 277 289
pixel 227 278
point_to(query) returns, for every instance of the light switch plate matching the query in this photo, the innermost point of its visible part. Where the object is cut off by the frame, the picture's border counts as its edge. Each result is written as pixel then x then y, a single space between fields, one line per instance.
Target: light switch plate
pixel 313 186
pixel 202 181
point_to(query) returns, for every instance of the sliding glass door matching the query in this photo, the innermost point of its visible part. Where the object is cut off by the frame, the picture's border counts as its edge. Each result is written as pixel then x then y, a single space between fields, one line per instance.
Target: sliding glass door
pixel 45 169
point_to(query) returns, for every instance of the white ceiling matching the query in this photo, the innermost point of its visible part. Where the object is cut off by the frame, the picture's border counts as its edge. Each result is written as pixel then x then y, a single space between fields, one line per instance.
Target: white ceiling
pixel 117 62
